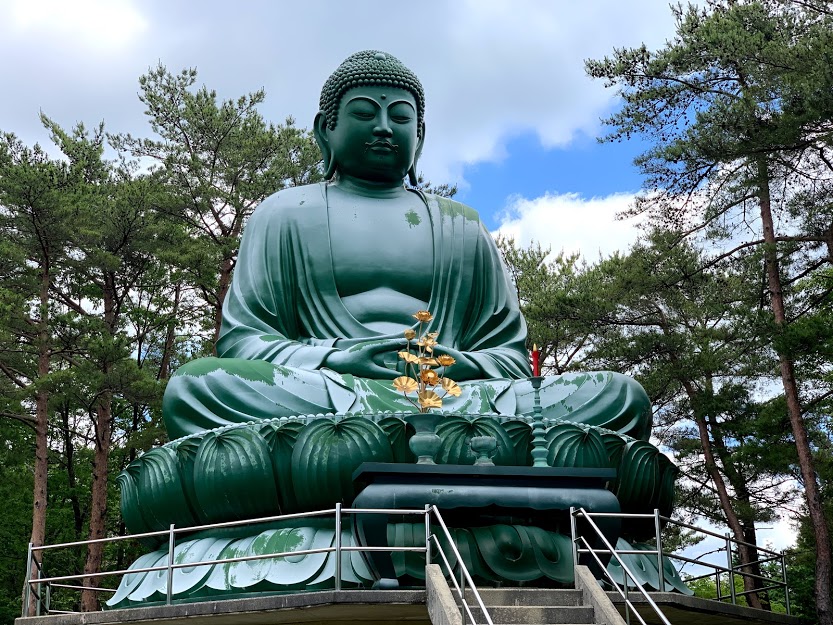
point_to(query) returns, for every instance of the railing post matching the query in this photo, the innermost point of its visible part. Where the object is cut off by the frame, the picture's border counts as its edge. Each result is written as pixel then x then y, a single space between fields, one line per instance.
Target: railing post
pixel 171 544
pixel 784 578
pixel 48 597
pixel 41 588
pixel 338 546
pixel 463 588
pixel 661 573
pixel 717 585
pixel 627 601
pixel 427 534
pixel 27 586
pixel 574 536
pixel 731 568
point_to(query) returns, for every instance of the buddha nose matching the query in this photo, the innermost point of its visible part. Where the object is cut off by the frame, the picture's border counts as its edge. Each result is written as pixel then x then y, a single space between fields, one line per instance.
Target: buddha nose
pixel 382 129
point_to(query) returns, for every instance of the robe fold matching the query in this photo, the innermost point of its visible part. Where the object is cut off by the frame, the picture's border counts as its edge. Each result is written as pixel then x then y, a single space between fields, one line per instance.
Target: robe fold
pixel 283 316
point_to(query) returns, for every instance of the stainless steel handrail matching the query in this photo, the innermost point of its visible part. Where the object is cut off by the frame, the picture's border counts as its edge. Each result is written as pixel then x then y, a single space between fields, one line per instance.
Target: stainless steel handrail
pixel 463 570
pixel 583 513
pixel 40 581
pixel 730 568
pixel 33 585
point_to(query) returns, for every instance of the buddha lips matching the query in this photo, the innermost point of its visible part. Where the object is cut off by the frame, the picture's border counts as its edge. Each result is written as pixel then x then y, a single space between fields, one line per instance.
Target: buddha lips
pixel 393 147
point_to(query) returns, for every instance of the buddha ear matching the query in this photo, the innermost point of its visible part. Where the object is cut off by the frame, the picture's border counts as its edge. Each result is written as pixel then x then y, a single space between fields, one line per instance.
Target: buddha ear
pixel 319 130
pixel 412 172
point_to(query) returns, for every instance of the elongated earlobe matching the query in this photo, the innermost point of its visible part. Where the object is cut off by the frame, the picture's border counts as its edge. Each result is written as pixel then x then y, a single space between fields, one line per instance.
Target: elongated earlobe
pixel 412 172
pixel 319 131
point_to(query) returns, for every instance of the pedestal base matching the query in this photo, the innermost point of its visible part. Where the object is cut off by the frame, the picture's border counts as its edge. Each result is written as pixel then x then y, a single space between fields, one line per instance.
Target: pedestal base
pixel 536 500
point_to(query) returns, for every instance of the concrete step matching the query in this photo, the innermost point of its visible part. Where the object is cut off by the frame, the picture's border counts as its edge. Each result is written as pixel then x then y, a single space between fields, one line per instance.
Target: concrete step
pixel 527 596
pixel 517 615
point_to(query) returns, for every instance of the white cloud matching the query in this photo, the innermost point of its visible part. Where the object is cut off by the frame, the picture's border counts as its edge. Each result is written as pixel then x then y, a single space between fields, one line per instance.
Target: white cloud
pixel 98 24
pixel 570 223
pixel 492 70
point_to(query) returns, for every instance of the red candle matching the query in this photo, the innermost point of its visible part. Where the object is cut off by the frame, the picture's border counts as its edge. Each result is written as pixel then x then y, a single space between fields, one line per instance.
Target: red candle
pixel 536 362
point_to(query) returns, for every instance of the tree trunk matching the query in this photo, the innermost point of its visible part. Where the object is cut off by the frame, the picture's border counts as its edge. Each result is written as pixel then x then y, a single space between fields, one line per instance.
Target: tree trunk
pixel 103 435
pixel 98 501
pixel 170 336
pixel 712 469
pixel 39 501
pixel 749 554
pixel 732 520
pixel 72 481
pixel 824 601
pixel 223 284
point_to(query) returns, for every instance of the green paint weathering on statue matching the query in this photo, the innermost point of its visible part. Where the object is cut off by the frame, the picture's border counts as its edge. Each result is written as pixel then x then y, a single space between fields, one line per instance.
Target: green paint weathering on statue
pixel 327 279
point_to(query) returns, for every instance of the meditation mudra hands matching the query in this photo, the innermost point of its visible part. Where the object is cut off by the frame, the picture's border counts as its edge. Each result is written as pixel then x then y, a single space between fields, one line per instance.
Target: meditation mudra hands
pixel 379 360
pixel 375 360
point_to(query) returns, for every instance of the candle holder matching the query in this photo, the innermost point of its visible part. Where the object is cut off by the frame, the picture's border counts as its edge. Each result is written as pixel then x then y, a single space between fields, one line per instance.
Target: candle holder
pixel 484 447
pixel 539 440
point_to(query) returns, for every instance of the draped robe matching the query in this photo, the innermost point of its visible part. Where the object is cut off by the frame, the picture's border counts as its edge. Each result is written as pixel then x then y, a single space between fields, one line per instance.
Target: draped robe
pixel 283 316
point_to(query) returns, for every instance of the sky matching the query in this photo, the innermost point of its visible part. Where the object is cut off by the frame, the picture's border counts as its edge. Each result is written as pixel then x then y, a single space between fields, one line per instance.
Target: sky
pixel 511 116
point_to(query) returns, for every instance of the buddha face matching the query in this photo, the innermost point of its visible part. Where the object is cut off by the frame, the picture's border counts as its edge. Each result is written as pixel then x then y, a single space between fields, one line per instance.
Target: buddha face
pixel 375 137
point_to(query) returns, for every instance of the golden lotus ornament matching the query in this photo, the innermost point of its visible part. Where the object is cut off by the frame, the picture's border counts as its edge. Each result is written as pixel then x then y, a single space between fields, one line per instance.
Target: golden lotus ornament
pixel 420 373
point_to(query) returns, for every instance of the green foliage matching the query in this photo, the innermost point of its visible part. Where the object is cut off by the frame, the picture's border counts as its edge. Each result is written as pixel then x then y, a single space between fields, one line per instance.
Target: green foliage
pixel 130 253
pixel 560 300
pixel 218 160
pixel 738 108
pixel 443 190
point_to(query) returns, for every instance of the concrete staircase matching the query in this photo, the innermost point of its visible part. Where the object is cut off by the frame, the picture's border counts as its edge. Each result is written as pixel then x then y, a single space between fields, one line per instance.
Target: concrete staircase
pixel 585 605
pixel 521 606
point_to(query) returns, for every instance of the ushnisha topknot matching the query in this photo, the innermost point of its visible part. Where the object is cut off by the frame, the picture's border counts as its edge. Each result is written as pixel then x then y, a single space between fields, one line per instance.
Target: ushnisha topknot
pixel 369 67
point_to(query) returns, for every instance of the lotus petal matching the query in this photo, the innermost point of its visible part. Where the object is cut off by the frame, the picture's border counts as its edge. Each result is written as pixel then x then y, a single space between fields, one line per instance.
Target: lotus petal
pixel 399 433
pixel 130 499
pixel 569 445
pixel 233 476
pixel 615 446
pixel 456 433
pixel 520 433
pixel 160 488
pixel 638 477
pixel 186 452
pixel 668 473
pixel 281 439
pixel 405 384
pixel 326 454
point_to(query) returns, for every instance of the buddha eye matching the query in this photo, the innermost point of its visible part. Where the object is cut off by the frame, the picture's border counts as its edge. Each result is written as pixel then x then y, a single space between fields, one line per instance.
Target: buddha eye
pixel 401 113
pixel 364 115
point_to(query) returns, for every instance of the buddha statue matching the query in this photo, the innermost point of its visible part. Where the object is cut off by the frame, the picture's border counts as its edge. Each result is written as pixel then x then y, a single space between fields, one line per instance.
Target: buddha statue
pixel 300 395
pixel 329 275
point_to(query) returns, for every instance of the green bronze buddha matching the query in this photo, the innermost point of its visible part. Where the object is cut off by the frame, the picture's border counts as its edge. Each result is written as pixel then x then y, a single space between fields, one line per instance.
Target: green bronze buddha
pixel 326 284
pixel 329 275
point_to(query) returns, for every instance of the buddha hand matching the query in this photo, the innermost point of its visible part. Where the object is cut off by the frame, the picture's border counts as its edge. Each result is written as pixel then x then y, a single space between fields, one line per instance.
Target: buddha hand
pixel 367 360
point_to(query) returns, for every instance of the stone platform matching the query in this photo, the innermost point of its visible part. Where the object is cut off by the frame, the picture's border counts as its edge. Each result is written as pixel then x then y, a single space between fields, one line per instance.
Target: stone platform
pixel 384 607
pixel 685 610
pixel 344 607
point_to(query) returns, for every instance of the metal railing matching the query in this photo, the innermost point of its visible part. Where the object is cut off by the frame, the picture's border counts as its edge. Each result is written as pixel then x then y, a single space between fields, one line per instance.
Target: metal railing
pixel 731 570
pixel 464 573
pixel 40 586
pixel 594 553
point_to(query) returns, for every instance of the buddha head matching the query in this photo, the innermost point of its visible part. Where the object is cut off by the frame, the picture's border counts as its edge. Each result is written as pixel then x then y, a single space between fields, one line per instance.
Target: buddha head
pixel 371 123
